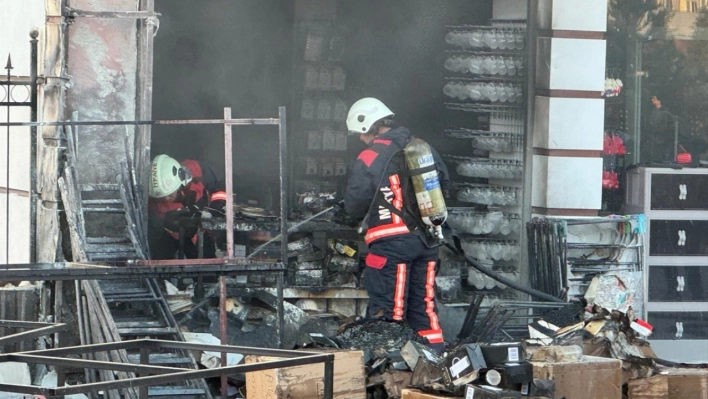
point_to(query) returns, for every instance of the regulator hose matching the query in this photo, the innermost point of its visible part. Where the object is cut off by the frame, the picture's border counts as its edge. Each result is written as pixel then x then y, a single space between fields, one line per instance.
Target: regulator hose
pixel 534 293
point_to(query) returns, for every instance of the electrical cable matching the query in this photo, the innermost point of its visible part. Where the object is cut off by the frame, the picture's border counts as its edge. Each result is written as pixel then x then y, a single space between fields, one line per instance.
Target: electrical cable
pixel 527 290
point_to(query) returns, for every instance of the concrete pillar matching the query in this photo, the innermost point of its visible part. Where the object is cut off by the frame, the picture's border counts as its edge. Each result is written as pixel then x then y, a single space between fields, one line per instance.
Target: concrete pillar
pixel 569 110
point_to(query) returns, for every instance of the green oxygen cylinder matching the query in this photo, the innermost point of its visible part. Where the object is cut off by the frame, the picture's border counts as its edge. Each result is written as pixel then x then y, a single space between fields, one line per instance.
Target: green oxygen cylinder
pixel 426 184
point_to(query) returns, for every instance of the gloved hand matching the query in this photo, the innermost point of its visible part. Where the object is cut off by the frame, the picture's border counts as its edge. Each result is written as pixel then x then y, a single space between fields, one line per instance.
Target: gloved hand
pixel 218 206
pixel 187 218
pixel 341 217
pixel 336 205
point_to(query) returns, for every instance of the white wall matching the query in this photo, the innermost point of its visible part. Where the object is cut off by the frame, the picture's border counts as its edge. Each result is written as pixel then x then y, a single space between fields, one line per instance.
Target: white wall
pixel 17 18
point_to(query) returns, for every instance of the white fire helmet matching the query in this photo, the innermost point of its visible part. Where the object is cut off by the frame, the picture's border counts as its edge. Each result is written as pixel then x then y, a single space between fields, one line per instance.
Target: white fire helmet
pixel 364 113
pixel 167 176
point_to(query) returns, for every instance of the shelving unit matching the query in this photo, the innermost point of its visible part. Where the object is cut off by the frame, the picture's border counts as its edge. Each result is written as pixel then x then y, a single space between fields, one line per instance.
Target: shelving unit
pixel 485 79
pixel 321 107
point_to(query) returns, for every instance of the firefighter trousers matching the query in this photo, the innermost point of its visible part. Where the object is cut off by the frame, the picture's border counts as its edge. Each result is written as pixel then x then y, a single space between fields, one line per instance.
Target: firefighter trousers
pixel 400 280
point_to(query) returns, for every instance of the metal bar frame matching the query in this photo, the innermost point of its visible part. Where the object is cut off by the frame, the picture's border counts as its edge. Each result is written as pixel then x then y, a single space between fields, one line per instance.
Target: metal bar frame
pixel 36 330
pixel 31 84
pixel 232 122
pixel 529 114
pixel 34 65
pixel 151 375
pixel 76 13
pixel 228 122
pixel 82 271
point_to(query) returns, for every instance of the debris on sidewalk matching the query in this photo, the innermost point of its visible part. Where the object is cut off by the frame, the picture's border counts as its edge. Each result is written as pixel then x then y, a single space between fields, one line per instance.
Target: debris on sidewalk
pixel 211 360
pixel 303 382
pixel 178 300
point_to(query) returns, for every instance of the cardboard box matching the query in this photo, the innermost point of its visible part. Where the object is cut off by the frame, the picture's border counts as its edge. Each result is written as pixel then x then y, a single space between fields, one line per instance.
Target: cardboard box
pixel 416 394
pixel 464 361
pixel 305 382
pixel 687 383
pixel 671 384
pixel 656 387
pixel 588 378
pixel 488 392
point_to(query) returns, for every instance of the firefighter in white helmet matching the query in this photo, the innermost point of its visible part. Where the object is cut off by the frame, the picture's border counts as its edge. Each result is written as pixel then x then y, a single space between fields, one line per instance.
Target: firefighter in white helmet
pixel 401 265
pixel 177 200
pixel 167 176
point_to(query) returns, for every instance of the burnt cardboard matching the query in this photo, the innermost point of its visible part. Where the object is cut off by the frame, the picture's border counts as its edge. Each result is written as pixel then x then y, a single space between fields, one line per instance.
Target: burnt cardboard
pixel 425 373
pixel 412 351
pixel 489 392
pixel 516 373
pixel 463 361
pixel 539 387
pixel 503 352
pixel 588 378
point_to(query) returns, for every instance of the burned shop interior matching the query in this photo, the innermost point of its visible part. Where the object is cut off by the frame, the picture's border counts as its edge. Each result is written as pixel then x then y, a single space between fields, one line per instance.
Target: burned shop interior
pixel 256 290
pixel 255 57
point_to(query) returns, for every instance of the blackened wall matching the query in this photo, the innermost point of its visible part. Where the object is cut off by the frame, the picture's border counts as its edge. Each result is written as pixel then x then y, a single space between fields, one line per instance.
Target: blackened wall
pixel 238 53
pixel 215 54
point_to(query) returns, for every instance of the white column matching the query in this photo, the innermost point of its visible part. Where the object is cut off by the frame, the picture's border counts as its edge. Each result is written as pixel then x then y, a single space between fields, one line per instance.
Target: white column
pixel 569 112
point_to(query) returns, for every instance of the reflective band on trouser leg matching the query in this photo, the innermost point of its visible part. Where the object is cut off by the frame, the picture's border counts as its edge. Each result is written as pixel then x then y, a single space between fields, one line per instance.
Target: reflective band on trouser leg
pixel 399 295
pixel 434 335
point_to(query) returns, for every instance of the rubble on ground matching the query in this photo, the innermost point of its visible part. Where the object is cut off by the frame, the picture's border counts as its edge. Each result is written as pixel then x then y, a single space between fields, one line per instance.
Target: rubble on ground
pixel 604 355
pixel 586 350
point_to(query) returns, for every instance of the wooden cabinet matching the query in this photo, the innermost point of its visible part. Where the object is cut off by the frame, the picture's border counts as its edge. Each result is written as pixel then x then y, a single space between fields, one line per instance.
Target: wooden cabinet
pixel 675 202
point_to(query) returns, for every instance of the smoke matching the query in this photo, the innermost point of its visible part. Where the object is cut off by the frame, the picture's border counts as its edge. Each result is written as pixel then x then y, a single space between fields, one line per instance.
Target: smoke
pixel 215 54
pixel 240 53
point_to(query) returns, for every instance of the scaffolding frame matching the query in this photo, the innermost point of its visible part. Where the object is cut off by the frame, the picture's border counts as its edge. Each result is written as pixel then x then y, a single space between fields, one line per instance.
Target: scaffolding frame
pixel 242 265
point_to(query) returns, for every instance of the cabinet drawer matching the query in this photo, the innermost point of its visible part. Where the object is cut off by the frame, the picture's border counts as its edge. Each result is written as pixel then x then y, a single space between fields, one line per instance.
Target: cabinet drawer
pixel 678 283
pixel 679 192
pixel 681 351
pixel 678 237
pixel 679 325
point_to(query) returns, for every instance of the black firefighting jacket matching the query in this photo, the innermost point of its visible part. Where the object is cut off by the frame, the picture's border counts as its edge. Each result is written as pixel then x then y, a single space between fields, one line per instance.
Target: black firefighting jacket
pixel 380 174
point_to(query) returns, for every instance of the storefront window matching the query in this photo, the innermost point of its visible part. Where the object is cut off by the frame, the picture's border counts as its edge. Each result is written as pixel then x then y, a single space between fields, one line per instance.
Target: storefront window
pixel 656 90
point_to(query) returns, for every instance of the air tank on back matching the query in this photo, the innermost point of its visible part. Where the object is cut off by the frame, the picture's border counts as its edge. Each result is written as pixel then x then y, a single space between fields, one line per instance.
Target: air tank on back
pixel 426 184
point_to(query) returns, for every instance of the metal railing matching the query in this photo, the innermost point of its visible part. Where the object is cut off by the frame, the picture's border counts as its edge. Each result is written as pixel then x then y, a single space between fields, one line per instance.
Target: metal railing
pixel 9 100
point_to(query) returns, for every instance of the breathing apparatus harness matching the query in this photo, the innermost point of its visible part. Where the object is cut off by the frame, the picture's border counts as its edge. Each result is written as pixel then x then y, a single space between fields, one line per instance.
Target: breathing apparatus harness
pixel 408 215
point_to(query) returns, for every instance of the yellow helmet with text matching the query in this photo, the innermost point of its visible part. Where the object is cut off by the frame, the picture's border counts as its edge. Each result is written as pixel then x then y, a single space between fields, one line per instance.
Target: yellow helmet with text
pixel 167 176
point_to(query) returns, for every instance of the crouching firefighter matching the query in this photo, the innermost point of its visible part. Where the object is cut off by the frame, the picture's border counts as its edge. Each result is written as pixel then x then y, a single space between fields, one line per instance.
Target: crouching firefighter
pixel 395 194
pixel 178 199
